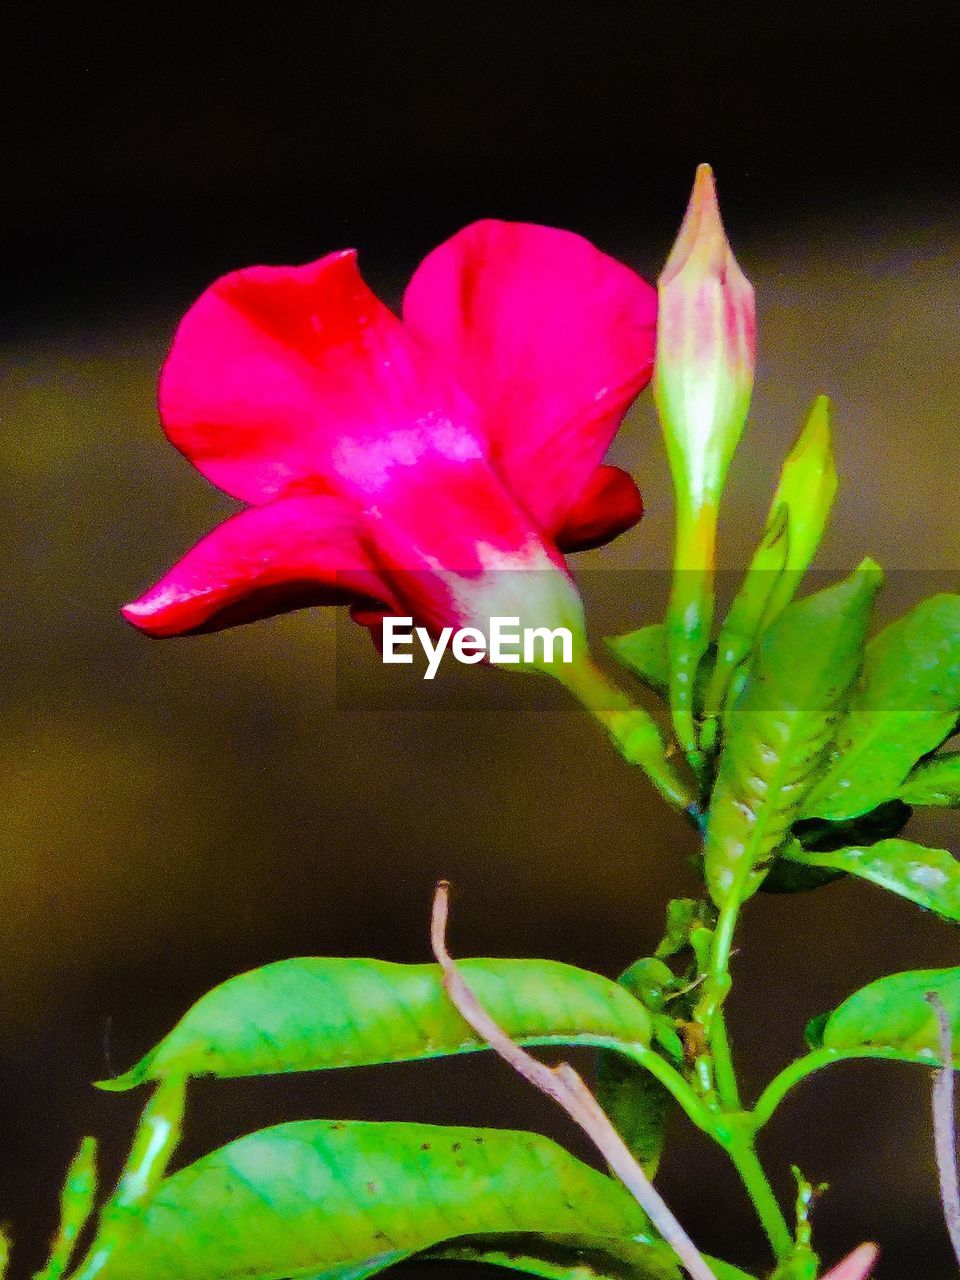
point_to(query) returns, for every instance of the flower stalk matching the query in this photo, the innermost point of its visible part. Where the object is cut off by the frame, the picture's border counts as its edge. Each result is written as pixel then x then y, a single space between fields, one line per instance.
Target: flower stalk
pixel 703 378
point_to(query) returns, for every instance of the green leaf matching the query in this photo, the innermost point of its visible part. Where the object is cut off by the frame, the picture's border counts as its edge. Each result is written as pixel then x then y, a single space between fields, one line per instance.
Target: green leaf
pixel 904 706
pixel 782 728
pixel 636 1102
pixel 319 1197
pixel 649 980
pixel 309 1014
pixel 638 1105
pixel 76 1205
pixel 888 819
pixel 891 1018
pixel 787 875
pixel 934 782
pixel 644 652
pixel 817 836
pixel 725 1270
pixel 684 917
pixel 928 877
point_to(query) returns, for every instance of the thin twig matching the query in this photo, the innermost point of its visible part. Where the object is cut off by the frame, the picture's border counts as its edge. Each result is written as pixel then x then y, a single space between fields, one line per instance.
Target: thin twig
pixel 565 1086
pixel 856 1265
pixel 944 1126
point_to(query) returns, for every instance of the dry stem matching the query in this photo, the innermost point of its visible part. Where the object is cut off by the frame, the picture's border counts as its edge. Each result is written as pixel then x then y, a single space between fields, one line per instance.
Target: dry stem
pixel 566 1087
pixel 944 1127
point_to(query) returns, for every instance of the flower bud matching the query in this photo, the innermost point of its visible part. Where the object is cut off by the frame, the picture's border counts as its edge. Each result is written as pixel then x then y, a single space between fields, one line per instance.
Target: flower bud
pixel 807 488
pixel 796 522
pixel 703 374
pixel 703 377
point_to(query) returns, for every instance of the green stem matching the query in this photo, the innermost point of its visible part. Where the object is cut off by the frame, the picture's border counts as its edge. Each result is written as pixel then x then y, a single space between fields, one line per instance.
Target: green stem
pixel 741 1151
pixel 739 1145
pixel 723 1069
pixel 781 1084
pixel 734 1133
pixel 634 731
pixel 156 1137
pixel 674 1083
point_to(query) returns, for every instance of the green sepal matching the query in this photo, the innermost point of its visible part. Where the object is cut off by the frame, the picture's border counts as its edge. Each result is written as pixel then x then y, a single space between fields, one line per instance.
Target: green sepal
pixel 935 781
pixel 892 1018
pixel 334 1198
pixel 906 703
pixel 314 1013
pixel 644 653
pixel 782 727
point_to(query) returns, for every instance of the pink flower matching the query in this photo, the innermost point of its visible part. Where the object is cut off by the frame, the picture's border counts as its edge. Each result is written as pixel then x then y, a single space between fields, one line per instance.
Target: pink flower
pixel 402 466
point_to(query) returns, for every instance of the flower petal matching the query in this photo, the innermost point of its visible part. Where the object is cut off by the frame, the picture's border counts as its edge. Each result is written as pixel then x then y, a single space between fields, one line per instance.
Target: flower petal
pixel 609 505
pixel 552 340
pixel 285 555
pixel 285 379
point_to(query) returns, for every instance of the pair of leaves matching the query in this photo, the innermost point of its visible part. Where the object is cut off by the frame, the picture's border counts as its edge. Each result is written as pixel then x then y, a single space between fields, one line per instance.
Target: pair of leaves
pixel 339 1199
pixel 906 703
pixel 314 1013
pixel 781 728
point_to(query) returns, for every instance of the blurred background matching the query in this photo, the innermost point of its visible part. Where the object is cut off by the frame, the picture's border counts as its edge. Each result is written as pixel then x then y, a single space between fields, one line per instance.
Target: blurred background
pixel 174 813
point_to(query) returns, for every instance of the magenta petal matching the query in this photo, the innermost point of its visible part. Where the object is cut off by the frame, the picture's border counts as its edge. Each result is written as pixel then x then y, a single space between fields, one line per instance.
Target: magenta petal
pixel 609 505
pixel 266 560
pixel 287 379
pixel 551 339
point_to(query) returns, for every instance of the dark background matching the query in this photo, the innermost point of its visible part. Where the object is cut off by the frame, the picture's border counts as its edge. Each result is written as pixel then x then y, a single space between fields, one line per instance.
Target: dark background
pixel 174 813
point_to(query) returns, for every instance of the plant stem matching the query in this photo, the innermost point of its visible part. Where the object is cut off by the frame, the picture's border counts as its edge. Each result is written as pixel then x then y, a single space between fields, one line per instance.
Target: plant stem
pixel 724 1074
pixel 634 731
pixel 740 1137
pixel 739 1147
pixel 791 1075
pixel 674 1083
